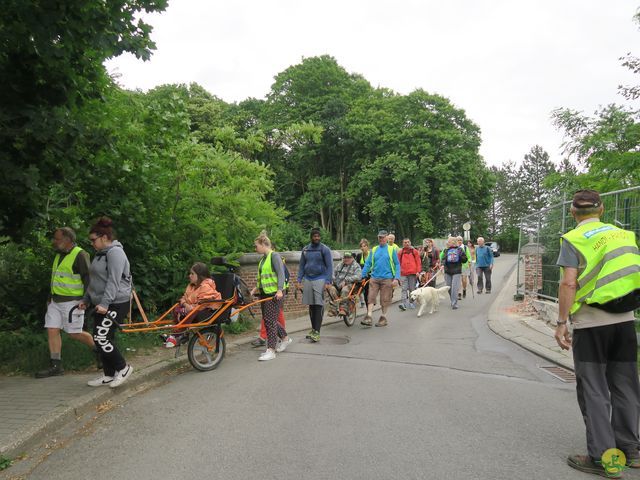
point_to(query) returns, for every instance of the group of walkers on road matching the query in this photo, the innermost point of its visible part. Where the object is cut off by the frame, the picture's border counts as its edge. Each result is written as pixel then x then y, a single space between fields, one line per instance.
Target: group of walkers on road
pixel 106 285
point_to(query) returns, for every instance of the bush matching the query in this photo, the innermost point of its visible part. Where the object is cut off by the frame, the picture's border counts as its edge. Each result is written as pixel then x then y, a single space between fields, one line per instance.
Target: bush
pixel 24 283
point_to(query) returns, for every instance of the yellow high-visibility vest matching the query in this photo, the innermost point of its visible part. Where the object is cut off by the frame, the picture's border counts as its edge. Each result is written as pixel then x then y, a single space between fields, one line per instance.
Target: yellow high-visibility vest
pixel 63 281
pixel 612 263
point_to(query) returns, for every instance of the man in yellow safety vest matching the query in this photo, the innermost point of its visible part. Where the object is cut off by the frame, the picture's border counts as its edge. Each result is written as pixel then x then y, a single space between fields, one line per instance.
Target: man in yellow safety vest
pixel 599 289
pixel 69 281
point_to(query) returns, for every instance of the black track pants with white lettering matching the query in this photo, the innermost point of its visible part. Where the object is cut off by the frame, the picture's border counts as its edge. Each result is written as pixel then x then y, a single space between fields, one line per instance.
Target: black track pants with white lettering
pixel 607 386
pixel 104 329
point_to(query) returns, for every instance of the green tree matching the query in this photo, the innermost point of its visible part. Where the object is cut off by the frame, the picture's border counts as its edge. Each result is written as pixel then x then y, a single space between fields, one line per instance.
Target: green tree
pixel 50 65
pixel 534 170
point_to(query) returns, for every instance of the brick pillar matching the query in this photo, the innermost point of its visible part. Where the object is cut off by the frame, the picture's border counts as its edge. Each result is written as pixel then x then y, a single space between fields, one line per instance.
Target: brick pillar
pixel 532 254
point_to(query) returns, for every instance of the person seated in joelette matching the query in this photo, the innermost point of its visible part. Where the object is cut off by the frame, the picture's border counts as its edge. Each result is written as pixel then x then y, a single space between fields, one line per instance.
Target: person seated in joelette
pixel 201 288
pixel 344 276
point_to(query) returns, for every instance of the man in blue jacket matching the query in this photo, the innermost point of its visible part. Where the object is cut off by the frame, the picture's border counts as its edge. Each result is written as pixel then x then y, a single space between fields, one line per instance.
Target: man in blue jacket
pixel 384 267
pixel 315 273
pixel 484 265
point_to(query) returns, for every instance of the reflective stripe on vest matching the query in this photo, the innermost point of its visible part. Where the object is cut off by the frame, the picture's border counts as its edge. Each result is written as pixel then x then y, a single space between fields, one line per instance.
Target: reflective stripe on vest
pixel 612 263
pixel 390 252
pixel 63 281
pixel 267 277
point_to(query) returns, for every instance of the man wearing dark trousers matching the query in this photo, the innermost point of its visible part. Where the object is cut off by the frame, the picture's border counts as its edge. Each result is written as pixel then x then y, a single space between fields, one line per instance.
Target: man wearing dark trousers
pixel 599 290
pixel 484 265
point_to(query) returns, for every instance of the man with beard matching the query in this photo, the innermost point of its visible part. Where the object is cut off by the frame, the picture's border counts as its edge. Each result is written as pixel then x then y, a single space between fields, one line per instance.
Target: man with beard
pixel 69 282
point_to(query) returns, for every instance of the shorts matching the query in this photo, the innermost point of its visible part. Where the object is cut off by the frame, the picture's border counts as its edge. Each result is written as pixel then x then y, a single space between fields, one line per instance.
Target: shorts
pixel 466 272
pixel 313 292
pixel 58 316
pixel 385 287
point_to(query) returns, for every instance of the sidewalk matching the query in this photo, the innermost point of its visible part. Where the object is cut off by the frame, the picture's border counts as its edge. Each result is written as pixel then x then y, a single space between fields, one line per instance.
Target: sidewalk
pixel 528 332
pixel 31 408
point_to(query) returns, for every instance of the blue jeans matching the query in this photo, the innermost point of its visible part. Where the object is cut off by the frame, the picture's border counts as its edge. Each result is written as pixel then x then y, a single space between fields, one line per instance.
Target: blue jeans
pixel 454 282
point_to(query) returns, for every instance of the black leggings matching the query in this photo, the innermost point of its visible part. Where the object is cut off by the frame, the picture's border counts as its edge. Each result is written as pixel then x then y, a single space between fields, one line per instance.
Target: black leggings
pixel 104 329
pixel 315 313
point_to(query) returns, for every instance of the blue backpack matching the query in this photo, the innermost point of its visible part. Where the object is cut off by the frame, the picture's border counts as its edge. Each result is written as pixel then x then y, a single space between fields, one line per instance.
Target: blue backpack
pixel 453 255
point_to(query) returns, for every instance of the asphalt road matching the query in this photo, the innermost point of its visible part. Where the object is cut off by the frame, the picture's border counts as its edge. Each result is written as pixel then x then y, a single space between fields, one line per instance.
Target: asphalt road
pixel 436 397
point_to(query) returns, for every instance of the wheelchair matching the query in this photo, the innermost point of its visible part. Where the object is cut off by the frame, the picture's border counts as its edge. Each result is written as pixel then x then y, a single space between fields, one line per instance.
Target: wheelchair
pixel 206 344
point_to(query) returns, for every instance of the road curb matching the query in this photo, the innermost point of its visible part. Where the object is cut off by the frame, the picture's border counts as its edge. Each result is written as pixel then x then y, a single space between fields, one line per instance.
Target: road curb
pixel 509 326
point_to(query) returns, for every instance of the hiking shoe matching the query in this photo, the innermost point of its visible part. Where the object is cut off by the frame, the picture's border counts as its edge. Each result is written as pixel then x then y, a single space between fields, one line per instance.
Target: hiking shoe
pixel 314 336
pixel 487 291
pixel 479 292
pixel 382 322
pixel 366 321
pixel 310 334
pixel 454 307
pixel 633 459
pixel 121 376
pixel 55 369
pixel 259 342
pixel 585 464
pixel 282 346
pixel 266 356
pixel 100 381
pixel 402 307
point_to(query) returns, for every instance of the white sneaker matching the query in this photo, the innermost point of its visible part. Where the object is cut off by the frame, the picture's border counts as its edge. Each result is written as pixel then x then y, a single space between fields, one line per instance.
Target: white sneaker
pixel 268 355
pixel 100 381
pixel 282 346
pixel 121 376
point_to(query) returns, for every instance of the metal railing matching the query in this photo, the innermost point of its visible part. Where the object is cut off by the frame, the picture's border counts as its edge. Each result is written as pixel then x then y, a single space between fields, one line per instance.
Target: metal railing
pixel 540 234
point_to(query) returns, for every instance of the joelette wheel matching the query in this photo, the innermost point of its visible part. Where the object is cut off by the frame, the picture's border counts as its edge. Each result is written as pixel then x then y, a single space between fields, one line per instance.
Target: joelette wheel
pixel 206 349
pixel 350 318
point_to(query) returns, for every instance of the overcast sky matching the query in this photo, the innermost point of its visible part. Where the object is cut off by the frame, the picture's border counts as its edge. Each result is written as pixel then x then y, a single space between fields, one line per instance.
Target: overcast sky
pixel 507 63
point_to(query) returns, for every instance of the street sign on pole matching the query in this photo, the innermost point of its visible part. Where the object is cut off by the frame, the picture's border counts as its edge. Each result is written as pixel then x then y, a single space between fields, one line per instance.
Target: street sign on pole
pixel 466 227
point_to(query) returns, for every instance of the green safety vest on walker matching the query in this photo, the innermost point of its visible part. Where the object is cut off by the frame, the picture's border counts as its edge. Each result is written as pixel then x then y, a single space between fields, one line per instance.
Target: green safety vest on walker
pixel 63 281
pixel 267 278
pixel 612 268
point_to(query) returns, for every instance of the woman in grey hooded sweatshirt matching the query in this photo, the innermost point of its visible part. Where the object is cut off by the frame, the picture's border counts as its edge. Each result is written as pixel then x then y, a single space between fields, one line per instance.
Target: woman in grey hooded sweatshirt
pixel 110 291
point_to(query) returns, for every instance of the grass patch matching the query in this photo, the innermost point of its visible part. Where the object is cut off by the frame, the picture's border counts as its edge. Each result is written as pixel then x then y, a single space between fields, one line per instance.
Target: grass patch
pixel 26 352
pixel 5 462
pixel 244 324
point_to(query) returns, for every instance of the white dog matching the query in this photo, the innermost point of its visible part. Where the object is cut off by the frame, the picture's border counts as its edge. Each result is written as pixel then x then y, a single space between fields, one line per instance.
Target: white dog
pixel 428 296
